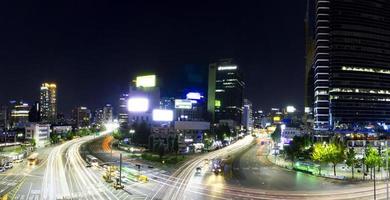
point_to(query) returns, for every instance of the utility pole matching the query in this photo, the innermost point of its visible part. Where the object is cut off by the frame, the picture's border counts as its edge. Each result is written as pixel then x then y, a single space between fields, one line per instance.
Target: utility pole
pixel 111 152
pixel 120 169
pixel 374 185
pixel 387 171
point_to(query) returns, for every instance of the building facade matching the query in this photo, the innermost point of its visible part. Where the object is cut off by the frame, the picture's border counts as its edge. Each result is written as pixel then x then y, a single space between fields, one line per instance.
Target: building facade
pixel 19 114
pixel 144 96
pixel 123 115
pixel 40 133
pixel 247 116
pixel 225 91
pixel 107 113
pixel 48 102
pixel 81 117
pixel 351 63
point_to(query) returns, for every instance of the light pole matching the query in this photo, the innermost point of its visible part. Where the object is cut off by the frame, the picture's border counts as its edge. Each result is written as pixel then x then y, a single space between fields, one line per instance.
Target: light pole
pixel 111 150
pixel 387 170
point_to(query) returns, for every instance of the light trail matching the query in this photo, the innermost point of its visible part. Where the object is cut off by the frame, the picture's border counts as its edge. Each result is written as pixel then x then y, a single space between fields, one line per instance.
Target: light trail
pixel 66 175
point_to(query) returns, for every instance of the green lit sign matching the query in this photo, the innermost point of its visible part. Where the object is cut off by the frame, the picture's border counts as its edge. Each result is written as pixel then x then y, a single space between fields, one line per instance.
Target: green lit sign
pixel 217 103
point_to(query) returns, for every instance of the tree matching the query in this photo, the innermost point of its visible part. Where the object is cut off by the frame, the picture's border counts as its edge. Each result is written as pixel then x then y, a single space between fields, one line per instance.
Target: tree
pixel 351 159
pixel 319 154
pixel 33 142
pixel 54 138
pixel 298 147
pixel 176 145
pixel 334 154
pixel 328 153
pixel 223 131
pixel 277 134
pixel 161 150
pixel 142 133
pixel 372 159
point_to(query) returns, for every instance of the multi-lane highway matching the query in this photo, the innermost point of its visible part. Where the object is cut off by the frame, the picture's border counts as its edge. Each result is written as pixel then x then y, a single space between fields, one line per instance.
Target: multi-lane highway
pixel 62 174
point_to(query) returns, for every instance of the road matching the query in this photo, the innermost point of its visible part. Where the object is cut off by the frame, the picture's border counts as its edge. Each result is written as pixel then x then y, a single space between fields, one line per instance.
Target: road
pixel 253 170
pixel 258 179
pixel 63 175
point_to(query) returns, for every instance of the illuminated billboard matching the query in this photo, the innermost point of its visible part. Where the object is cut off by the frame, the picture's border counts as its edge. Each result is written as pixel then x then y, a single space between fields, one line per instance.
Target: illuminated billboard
pixel 183 104
pixel 224 68
pixel 276 119
pixel 194 95
pixel 146 81
pixel 138 104
pixel 291 109
pixel 162 115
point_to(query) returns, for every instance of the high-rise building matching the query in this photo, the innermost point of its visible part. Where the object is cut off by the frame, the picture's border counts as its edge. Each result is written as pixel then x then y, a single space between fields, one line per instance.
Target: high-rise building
pixel 309 56
pixel 35 113
pixel 123 113
pixel 144 96
pixel 81 117
pixel 4 118
pixel 19 114
pixel 247 116
pixel 48 102
pixel 225 92
pixel 191 108
pixel 107 113
pixel 98 117
pixel 351 63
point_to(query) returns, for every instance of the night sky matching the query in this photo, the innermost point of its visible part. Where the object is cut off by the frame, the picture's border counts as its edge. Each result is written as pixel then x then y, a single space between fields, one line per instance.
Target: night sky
pixel 92 49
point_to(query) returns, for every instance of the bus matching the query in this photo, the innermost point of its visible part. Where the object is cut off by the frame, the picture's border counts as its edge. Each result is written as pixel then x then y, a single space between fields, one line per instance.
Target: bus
pixel 33 159
pixel 92 160
pixel 307 167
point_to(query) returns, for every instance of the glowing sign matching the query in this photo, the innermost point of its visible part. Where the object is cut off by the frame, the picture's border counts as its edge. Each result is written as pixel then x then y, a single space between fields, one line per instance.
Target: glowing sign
pixel 183 104
pixel 217 103
pixel 162 115
pixel 307 109
pixel 138 104
pixel 290 109
pixel 276 119
pixel 146 81
pixel 223 68
pixel 194 95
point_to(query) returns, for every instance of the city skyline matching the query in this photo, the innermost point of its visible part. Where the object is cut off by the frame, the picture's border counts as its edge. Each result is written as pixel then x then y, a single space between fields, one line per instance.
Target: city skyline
pixel 195 100
pixel 81 63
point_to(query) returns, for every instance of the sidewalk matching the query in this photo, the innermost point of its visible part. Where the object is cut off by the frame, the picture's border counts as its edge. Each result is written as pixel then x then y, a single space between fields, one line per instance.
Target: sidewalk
pixel 343 172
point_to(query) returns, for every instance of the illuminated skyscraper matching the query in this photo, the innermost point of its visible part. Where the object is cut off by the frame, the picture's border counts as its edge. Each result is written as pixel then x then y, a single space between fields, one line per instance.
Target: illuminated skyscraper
pixel 351 63
pixel 123 113
pixel 225 92
pixel 19 114
pixel 48 102
pixel 309 56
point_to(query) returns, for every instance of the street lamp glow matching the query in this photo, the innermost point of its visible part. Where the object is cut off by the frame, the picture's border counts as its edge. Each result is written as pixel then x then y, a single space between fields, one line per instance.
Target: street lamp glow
pixel 138 104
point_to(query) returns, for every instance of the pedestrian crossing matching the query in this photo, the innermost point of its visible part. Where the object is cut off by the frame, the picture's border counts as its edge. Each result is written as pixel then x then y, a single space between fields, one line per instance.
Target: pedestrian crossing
pixel 119 194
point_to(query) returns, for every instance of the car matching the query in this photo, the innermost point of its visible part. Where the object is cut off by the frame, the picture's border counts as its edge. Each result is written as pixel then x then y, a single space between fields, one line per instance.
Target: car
pixel 18 161
pixel 143 179
pixel 2 169
pixel 8 165
pixel 198 171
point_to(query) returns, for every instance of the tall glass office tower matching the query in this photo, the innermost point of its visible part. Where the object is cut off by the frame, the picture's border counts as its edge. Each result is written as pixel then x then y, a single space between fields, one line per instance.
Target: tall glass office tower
pixel 352 63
